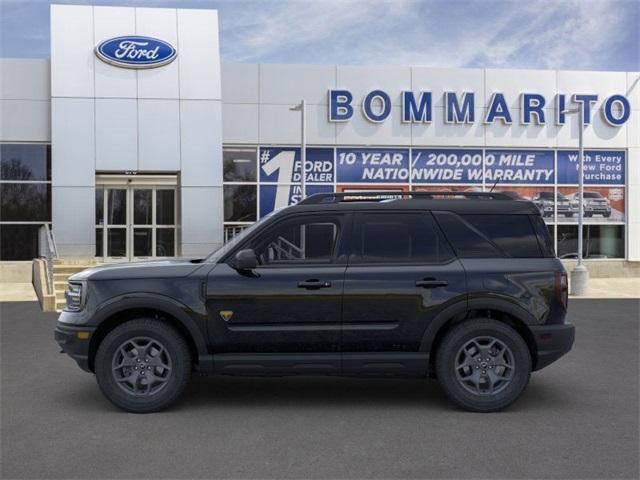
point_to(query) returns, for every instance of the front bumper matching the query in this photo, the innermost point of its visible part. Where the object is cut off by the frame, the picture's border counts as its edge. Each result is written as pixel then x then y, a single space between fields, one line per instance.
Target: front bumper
pixel 74 341
pixel 552 342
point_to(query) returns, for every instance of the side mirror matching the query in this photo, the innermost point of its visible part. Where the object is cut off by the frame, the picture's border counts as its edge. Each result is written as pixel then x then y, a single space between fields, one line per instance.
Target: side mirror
pixel 245 260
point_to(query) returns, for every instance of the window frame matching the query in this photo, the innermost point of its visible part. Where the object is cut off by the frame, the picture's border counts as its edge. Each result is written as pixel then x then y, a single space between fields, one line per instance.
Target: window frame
pixel 356 231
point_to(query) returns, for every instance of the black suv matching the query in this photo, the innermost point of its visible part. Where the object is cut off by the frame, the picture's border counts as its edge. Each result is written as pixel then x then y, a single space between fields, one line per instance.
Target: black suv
pixel 464 287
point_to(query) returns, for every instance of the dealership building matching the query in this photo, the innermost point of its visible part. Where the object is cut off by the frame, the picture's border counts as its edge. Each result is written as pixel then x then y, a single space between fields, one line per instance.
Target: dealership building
pixel 133 142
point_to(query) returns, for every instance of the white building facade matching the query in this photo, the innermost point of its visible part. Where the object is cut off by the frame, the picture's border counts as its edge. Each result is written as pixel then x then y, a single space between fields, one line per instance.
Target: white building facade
pixel 129 163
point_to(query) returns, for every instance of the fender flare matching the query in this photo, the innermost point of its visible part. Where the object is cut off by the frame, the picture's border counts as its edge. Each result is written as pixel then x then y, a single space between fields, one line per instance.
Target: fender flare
pixel 477 303
pixel 154 301
pixel 458 308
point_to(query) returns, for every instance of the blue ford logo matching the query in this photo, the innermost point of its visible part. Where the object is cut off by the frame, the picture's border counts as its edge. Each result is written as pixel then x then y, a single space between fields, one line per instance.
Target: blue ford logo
pixel 134 51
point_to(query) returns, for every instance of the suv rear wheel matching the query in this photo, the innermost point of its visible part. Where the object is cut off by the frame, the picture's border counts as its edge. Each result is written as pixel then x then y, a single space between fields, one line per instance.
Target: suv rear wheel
pixel 143 365
pixel 483 365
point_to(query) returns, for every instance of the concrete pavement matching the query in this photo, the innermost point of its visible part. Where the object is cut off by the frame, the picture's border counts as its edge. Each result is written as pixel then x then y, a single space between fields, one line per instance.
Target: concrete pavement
pixel 577 419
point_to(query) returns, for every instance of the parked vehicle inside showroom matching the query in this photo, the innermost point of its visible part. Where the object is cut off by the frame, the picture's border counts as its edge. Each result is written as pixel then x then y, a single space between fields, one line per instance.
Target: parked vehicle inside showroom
pixel 461 286
pixel 594 204
pixel 545 202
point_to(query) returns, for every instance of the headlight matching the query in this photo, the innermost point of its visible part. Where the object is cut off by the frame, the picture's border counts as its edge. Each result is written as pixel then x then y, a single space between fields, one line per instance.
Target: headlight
pixel 74 296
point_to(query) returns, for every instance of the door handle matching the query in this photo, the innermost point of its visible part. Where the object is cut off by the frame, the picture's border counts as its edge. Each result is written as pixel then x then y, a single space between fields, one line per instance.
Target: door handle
pixel 431 283
pixel 313 284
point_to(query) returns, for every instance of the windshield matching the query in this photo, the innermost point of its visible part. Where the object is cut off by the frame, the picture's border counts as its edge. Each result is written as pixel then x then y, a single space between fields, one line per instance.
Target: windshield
pixel 223 250
pixel 592 195
pixel 546 195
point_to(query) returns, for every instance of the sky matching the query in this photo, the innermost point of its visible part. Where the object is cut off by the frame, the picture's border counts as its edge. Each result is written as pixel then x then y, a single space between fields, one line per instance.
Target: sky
pixel 534 34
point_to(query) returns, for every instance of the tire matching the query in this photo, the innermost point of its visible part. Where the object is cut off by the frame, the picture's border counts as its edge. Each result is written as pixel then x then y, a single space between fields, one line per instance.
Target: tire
pixel 168 364
pixel 479 398
pixel 607 214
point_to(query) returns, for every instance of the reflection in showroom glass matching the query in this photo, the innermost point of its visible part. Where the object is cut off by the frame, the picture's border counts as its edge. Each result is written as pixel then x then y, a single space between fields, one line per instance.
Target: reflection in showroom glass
pixel 239 203
pixel 599 241
pixel 239 164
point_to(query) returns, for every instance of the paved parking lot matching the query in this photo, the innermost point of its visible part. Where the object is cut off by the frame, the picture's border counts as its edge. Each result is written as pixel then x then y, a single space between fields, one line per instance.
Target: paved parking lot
pixel 577 419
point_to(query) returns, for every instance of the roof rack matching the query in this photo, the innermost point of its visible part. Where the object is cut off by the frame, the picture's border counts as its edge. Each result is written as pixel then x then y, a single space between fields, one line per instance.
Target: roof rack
pixel 385 195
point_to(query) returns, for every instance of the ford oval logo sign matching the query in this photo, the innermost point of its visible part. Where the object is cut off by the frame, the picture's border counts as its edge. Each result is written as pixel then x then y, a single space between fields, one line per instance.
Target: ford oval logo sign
pixel 134 51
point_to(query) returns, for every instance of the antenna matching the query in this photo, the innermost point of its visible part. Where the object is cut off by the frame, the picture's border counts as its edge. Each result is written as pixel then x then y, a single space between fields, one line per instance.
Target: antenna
pixel 494 185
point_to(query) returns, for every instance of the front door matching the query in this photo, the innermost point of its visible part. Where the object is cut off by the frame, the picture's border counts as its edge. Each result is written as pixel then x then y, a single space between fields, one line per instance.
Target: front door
pixel 291 304
pixel 401 274
pixel 135 222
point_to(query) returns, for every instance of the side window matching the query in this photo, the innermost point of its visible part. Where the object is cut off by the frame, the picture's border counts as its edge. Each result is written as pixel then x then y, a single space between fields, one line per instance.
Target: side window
pixel 467 241
pixel 514 234
pixel 399 237
pixel 303 240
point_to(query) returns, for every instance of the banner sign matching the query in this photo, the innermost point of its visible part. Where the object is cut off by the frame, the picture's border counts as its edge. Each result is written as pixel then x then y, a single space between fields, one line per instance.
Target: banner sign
pixel 282 165
pixel 531 167
pixel 600 167
pixel 437 165
pixel 372 165
pixel 273 197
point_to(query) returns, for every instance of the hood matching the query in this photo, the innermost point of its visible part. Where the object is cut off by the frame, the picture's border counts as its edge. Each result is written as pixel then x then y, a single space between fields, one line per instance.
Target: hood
pixel 146 269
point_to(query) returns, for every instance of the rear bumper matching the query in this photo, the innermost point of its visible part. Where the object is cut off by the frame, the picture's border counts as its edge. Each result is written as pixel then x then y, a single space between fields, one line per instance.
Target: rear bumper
pixel 552 342
pixel 74 345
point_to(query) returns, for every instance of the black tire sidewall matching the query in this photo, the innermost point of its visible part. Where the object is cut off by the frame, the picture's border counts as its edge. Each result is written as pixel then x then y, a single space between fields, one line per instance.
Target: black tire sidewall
pixel 176 349
pixel 445 364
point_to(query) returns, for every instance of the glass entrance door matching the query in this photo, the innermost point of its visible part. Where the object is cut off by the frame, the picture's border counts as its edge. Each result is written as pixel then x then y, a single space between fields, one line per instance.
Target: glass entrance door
pixel 135 222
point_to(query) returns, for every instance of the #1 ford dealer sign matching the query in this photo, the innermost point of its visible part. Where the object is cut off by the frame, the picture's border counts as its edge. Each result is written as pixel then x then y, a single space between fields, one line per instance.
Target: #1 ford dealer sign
pixel 134 51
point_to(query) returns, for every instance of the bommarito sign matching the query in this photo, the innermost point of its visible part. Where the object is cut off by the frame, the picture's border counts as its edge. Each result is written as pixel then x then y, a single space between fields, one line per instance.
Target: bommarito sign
pixel 460 108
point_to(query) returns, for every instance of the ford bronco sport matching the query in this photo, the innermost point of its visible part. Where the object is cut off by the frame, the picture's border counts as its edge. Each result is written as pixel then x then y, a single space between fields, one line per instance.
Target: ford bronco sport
pixel 463 287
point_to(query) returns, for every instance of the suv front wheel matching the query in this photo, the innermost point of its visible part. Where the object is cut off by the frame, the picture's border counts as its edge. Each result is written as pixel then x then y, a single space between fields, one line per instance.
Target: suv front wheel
pixel 483 365
pixel 143 365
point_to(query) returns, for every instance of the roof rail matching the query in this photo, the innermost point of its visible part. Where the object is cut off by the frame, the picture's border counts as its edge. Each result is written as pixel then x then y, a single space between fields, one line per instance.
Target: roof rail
pixel 383 195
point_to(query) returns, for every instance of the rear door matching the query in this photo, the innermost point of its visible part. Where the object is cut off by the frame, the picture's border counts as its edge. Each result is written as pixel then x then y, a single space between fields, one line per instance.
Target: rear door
pixel 401 274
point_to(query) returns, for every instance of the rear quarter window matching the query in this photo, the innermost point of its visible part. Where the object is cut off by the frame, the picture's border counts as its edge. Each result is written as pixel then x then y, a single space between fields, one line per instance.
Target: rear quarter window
pixel 513 234
pixel 467 241
pixel 544 237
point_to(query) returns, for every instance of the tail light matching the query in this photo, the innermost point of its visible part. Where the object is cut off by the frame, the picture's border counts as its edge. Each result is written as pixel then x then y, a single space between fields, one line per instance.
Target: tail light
pixel 562 288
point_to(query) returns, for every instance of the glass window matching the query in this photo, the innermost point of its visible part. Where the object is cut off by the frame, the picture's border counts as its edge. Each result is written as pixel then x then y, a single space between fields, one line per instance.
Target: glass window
pixel 514 234
pixel 310 240
pixel 239 164
pixel 142 206
pixel 399 237
pixel 117 206
pixel 545 235
pixel 240 203
pixel 165 207
pixel 18 242
pixel 142 242
pixel 25 202
pixel 467 241
pixel 99 242
pixel 165 242
pixel 598 241
pixel 117 242
pixel 99 206
pixel 25 162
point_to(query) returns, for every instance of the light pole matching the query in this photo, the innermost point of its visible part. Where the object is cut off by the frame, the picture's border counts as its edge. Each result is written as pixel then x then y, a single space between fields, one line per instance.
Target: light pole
pixel 303 145
pixel 580 274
